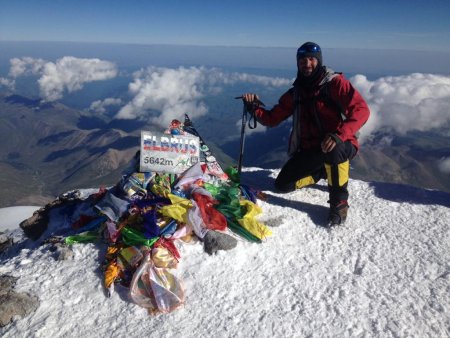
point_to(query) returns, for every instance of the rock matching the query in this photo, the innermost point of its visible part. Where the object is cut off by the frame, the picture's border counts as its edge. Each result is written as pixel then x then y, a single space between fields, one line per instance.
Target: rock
pixel 60 250
pixel 5 242
pixel 16 304
pixel 63 253
pixel 35 226
pixel 53 240
pixel 7 284
pixel 13 303
pixel 214 241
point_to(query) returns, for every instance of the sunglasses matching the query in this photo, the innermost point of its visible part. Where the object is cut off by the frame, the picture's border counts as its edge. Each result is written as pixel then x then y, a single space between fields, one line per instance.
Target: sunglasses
pixel 307 49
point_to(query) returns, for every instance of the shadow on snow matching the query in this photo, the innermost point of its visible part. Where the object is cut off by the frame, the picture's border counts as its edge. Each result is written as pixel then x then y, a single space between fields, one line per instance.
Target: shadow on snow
pixel 409 194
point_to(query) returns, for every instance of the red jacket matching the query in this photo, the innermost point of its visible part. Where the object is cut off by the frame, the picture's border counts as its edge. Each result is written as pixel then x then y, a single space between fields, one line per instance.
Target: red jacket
pixel 315 116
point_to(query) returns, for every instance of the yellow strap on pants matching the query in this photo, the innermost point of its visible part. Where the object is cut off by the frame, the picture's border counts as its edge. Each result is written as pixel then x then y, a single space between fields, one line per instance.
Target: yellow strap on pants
pixel 304 182
pixel 342 173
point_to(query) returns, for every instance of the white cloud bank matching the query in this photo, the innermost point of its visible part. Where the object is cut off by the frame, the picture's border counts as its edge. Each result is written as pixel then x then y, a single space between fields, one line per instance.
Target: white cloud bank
pixel 8 83
pixel 26 66
pixel 99 106
pixel 174 92
pixel 401 103
pixel 405 103
pixel 68 73
pixel 72 73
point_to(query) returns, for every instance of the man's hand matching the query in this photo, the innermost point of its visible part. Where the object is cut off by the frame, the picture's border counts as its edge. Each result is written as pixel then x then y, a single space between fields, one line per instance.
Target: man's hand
pixel 328 144
pixel 250 98
pixel 251 101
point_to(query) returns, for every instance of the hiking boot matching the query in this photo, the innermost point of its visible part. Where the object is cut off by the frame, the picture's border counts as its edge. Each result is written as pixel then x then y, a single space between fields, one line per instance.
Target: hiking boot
pixel 338 214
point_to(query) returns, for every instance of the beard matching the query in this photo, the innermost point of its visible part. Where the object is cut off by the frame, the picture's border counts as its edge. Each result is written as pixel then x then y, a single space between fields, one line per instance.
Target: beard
pixel 308 80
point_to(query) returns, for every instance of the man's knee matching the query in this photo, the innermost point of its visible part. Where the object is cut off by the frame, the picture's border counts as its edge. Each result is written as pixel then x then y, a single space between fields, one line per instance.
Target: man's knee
pixel 342 152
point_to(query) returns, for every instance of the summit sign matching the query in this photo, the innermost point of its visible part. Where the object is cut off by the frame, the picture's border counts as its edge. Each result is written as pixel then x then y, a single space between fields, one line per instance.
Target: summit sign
pixel 165 153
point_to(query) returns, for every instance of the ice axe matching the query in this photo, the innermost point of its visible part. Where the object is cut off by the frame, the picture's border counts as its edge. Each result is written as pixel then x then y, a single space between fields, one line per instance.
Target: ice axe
pixel 248 108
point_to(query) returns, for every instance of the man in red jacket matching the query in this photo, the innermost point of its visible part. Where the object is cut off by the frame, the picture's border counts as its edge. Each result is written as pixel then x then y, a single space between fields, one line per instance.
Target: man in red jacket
pixel 327 113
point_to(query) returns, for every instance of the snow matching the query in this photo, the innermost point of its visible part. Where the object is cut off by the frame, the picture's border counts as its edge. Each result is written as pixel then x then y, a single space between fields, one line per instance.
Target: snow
pixel 11 217
pixel 385 273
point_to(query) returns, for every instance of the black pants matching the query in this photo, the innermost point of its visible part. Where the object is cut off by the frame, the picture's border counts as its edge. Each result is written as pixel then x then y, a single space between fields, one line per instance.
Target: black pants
pixel 316 165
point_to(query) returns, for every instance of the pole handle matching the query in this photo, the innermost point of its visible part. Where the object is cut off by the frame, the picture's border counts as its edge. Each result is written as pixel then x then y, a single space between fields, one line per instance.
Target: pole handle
pixel 258 101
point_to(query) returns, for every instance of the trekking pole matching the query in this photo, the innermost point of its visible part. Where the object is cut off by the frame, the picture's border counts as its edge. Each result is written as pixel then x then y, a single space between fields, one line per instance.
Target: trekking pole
pixel 246 110
pixel 241 151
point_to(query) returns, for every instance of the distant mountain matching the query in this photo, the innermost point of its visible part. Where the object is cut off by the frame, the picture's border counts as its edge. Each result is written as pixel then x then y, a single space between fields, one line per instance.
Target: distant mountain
pixel 47 149
pixel 43 151
pixel 409 159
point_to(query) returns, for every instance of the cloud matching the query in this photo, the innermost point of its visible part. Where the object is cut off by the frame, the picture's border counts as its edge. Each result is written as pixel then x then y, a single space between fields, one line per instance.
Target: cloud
pixel 26 66
pixel 444 165
pixel 100 105
pixel 405 103
pixel 169 93
pixel 248 131
pixel 256 79
pixel 68 73
pixel 8 83
pixel 398 103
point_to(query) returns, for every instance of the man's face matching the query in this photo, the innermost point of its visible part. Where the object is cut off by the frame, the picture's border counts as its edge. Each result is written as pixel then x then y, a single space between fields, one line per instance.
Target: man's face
pixel 307 65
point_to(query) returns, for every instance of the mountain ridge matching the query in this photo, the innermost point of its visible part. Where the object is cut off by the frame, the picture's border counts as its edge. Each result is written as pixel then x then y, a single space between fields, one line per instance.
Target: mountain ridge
pixel 49 148
pixel 409 159
pixel 46 149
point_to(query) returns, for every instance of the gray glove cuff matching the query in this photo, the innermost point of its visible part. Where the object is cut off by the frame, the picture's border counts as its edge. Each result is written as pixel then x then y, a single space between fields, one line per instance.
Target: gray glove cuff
pixel 335 138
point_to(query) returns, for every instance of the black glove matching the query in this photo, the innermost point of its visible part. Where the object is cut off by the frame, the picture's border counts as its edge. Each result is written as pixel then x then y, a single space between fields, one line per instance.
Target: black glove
pixel 335 138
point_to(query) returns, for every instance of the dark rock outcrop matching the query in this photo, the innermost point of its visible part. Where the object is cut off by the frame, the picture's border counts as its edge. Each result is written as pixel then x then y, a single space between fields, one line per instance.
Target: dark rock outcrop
pixel 13 303
pixel 5 242
pixel 36 225
pixel 214 241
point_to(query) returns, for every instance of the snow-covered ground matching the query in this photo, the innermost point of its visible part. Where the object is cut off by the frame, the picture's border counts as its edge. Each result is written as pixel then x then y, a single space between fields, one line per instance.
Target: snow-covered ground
pixel 386 273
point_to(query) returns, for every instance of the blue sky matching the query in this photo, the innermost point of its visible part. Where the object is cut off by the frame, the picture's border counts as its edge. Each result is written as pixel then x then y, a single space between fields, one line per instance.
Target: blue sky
pixel 410 25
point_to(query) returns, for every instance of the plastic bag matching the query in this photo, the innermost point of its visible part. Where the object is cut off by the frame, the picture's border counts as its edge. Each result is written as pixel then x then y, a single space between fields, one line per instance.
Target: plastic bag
pixel 167 289
pixel 156 289
pixel 191 175
pixel 162 257
pixel 183 231
pixel 111 232
pixel 194 219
